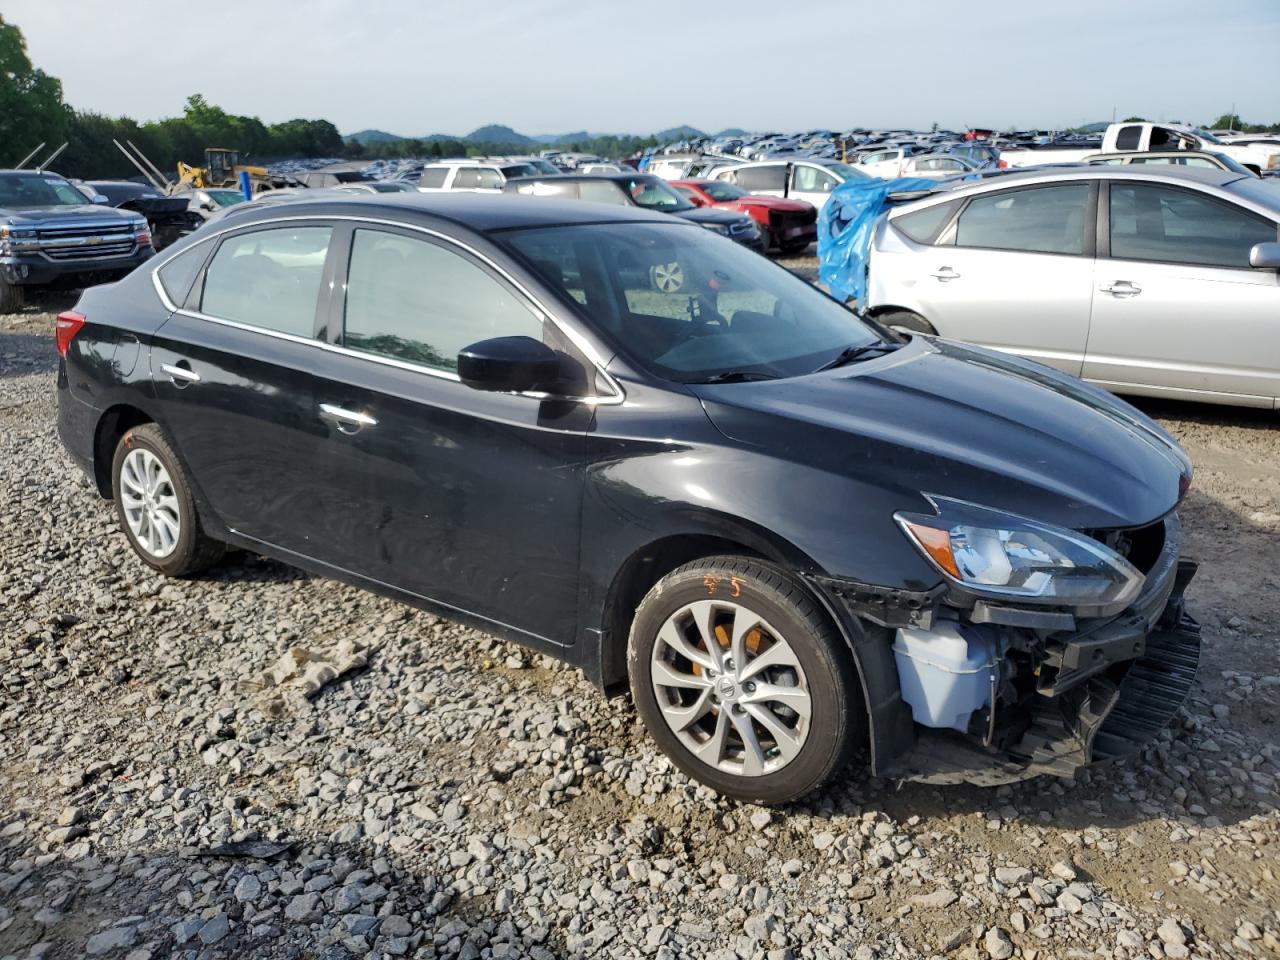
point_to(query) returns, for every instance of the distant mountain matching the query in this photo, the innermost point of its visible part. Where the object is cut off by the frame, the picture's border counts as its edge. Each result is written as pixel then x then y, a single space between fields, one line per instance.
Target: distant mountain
pixel 731 132
pixel 500 134
pixel 496 133
pixel 684 132
pixel 373 136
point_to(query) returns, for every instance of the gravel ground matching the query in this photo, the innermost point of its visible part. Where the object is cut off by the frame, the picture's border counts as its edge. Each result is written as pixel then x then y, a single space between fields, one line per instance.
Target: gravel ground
pixel 455 796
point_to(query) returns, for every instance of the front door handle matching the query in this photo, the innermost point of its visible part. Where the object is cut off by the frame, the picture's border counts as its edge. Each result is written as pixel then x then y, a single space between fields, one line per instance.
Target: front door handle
pixel 347 421
pixel 180 374
pixel 1122 288
pixel 943 274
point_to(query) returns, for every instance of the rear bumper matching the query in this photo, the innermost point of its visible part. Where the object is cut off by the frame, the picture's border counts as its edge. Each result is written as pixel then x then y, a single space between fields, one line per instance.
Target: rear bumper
pixel 77 422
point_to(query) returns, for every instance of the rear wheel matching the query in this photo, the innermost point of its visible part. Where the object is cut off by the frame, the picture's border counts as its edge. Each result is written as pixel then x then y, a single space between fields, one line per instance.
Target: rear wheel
pixel 12 297
pixel 742 680
pixel 907 322
pixel 795 247
pixel 155 506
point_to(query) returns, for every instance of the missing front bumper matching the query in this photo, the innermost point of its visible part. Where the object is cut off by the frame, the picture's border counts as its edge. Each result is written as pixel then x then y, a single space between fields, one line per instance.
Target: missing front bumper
pixel 1106 716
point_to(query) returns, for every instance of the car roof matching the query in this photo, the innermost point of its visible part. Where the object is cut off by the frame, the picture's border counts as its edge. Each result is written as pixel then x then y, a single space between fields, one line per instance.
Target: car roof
pixel 1222 181
pixel 480 212
pixel 611 177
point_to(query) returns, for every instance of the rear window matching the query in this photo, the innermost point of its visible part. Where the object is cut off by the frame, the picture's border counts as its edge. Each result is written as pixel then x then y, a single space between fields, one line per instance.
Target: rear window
pixel 922 226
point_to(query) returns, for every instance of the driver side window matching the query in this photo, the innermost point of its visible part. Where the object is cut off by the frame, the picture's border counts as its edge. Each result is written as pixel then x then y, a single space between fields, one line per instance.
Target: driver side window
pixel 418 301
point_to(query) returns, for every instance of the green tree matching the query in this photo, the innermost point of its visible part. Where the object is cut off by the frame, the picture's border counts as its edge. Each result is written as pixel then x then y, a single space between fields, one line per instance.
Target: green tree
pixel 31 107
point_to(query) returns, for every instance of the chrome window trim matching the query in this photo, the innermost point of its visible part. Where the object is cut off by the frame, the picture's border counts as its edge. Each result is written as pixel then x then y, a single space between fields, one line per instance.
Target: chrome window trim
pixel 618 396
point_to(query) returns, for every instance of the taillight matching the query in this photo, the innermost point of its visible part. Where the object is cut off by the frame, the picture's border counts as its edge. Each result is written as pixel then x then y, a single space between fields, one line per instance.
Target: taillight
pixel 68 326
pixel 1003 164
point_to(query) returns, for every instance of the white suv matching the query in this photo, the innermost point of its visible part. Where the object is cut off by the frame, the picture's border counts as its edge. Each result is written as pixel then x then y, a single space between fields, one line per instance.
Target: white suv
pixel 475 176
pixel 809 178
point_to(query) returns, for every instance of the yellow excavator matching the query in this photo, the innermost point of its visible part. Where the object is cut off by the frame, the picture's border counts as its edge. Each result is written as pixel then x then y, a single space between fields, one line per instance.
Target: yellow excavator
pixel 222 168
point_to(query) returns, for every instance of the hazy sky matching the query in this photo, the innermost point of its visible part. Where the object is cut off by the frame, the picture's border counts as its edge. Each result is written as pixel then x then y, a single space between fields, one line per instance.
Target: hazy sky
pixel 546 66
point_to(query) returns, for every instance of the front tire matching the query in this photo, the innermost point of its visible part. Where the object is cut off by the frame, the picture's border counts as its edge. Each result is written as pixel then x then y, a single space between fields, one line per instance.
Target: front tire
pixel 12 297
pixel 152 494
pixel 742 680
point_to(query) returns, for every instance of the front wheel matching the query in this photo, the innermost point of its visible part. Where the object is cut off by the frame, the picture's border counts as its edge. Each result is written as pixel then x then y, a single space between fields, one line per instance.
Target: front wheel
pixel 12 297
pixel 154 503
pixel 742 680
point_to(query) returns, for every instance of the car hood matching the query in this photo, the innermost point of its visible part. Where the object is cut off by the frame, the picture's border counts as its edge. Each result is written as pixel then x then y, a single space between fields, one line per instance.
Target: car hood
pixel 769 203
pixel 936 417
pixel 77 212
pixel 710 215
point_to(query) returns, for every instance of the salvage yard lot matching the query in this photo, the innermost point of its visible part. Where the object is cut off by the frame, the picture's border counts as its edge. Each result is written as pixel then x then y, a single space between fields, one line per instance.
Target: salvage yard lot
pixel 459 796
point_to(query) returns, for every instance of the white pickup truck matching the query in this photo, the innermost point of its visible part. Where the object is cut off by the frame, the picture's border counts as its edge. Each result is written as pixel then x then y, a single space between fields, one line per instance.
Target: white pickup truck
pixel 1260 157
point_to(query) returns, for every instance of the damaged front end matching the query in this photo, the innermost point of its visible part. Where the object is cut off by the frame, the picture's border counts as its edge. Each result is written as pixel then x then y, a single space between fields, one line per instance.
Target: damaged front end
pixel 964 684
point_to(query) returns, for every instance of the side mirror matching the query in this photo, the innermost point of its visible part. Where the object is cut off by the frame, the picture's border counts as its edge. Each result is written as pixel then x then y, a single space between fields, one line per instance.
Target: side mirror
pixel 207 205
pixel 1265 256
pixel 509 365
pixel 696 200
pixel 100 199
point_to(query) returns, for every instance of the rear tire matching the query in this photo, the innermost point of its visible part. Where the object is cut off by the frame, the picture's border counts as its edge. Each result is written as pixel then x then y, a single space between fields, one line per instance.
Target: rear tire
pixel 767 712
pixel 12 297
pixel 152 494
pixel 794 248
pixel 907 322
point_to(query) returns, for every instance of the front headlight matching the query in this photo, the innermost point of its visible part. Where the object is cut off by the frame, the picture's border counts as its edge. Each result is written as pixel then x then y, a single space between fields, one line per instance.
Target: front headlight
pixel 996 554
pixel 719 228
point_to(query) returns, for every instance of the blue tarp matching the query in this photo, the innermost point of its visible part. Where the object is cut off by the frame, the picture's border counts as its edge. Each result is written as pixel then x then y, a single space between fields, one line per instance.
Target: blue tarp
pixel 844 231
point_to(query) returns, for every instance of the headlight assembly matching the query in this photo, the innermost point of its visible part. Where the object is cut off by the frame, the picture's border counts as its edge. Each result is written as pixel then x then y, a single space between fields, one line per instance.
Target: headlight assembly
pixel 999 555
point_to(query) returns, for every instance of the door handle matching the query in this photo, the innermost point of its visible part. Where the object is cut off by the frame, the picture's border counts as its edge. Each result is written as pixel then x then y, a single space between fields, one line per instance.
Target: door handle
pixel 1122 288
pixel 943 274
pixel 347 421
pixel 179 374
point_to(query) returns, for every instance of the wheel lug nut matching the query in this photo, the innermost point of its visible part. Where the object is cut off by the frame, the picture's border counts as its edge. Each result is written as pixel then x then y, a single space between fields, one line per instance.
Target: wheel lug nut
pixel 749 687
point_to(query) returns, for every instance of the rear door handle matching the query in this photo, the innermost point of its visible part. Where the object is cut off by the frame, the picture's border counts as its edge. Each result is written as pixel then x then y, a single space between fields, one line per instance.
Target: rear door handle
pixel 180 374
pixel 1122 288
pixel 347 421
pixel 944 274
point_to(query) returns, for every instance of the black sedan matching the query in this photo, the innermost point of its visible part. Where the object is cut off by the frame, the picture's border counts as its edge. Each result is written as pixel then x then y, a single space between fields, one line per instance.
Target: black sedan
pixel 791 532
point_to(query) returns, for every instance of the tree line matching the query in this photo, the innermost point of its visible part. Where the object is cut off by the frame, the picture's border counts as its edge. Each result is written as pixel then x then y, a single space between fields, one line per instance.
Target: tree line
pixel 32 111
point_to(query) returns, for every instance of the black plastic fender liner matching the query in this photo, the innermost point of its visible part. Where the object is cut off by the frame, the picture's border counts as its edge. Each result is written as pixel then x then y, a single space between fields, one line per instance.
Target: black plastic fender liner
pixel 890 728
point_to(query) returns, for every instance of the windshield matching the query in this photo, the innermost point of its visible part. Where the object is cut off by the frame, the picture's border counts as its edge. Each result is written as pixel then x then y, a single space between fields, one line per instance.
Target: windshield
pixel 519 170
pixel 20 191
pixel 719 191
pixel 544 166
pixel 846 172
pixel 225 198
pixel 688 305
pixel 1206 136
pixel 654 194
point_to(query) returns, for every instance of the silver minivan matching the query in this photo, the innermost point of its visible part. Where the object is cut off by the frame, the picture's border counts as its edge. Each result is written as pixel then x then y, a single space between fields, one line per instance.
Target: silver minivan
pixel 1164 282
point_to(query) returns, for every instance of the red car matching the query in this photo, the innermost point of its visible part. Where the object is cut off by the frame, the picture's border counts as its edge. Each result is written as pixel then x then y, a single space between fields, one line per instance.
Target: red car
pixel 790 225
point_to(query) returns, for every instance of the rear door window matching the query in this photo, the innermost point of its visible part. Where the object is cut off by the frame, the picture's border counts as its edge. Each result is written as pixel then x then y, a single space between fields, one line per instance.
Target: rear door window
pixel 1036 220
pixel 433 177
pixel 772 177
pixel 268 279
pixel 1164 224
